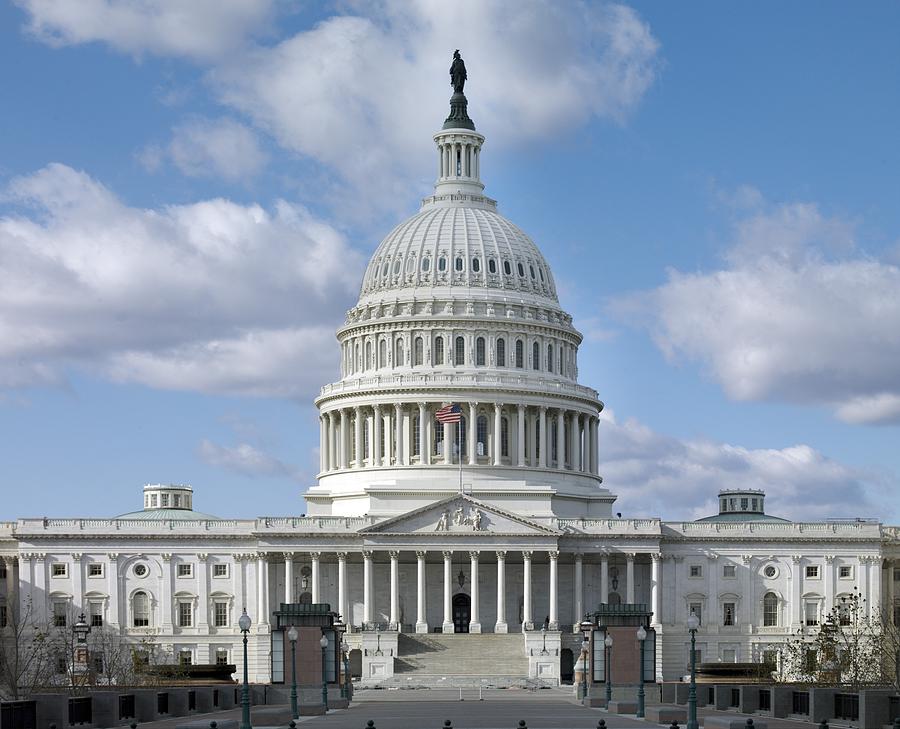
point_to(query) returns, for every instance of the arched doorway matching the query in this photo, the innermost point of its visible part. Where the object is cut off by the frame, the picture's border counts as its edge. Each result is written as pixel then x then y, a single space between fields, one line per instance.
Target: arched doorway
pixel 355 663
pixel 462 610
pixel 566 665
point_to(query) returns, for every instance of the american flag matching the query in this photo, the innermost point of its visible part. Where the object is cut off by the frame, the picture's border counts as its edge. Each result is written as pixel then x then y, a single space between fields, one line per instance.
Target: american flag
pixel 451 413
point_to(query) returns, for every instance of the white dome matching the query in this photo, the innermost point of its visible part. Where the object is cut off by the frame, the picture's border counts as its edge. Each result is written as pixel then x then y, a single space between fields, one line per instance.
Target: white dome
pixel 451 245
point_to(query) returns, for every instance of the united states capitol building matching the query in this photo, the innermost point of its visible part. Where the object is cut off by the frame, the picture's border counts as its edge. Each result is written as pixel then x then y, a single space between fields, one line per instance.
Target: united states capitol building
pixel 490 537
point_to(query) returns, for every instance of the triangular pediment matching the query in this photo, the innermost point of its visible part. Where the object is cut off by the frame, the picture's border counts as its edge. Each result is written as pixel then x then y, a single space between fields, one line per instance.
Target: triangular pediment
pixel 461 514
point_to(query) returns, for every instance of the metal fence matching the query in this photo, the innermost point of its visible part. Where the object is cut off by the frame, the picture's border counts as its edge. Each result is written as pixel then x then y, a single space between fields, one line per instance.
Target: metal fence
pixel 18 715
pixel 80 710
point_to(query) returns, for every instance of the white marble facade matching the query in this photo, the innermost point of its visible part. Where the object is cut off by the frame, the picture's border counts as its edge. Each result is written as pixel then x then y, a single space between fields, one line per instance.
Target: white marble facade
pixel 457 306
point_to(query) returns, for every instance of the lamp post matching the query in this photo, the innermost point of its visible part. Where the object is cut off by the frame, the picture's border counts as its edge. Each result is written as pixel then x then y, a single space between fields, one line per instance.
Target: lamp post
pixel 345 655
pixel 693 622
pixel 544 647
pixel 324 643
pixel 292 636
pixel 608 641
pixel 81 629
pixel 587 629
pixel 641 636
pixel 244 625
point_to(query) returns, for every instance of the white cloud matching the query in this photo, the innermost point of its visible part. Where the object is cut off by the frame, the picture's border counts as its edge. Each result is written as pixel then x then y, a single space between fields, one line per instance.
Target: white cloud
pixel 795 314
pixel 245 459
pixel 212 296
pixel 216 148
pixel 362 93
pixel 655 474
pixel 199 29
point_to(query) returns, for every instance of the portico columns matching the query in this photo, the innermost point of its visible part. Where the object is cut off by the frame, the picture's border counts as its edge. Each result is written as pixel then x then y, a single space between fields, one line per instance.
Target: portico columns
pixel 655 592
pixel 554 609
pixel 342 587
pixel 501 626
pixel 421 623
pixel 447 626
pixel 395 591
pixel 629 578
pixel 262 585
pixel 575 440
pixel 594 464
pixel 527 621
pixel 579 589
pixel 314 576
pixel 367 588
pixel 560 440
pixel 604 579
pixel 472 435
pixel 474 617
pixel 333 451
pixel 424 454
pixel 398 433
pixel 323 443
pixel 344 437
pixel 498 427
pixel 520 441
pixel 289 577
pixel 358 436
pixel 377 438
pixel 890 592
pixel 544 440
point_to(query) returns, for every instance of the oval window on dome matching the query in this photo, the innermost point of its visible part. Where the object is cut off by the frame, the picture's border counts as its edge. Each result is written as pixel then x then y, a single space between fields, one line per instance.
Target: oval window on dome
pixel 541 271
pixel 476 265
pixel 531 268
pixel 458 264
pixel 397 266
pixel 442 264
pixel 507 269
pixel 384 269
pixel 410 265
pixel 492 265
pixel 521 270
pixel 426 263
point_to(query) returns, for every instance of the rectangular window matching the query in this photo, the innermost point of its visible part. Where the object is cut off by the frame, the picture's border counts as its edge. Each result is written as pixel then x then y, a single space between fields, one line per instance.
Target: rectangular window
pixel 696 570
pixel 185 658
pixel 95 569
pixel 753 504
pixel 221 656
pixel 811 660
pixel 220 570
pixel 727 613
pixel 165 500
pixel 744 504
pixel 59 569
pixel 60 612
pixel 728 570
pixel 697 609
pixel 845 572
pixel 812 571
pixel 770 658
pixel 185 614
pixel 153 500
pixel 62 665
pixel 97 662
pixel 896 574
pixel 729 655
pixel 221 614
pixel 811 612
pixel 843 614
pixel 185 570
pixel 96 609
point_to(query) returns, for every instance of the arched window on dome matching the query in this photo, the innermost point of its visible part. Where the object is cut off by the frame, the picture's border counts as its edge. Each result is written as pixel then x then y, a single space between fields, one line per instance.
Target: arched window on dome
pixel 521 269
pixel 507 269
pixel 560 362
pixel 384 270
pixel 357 362
pixel 442 263
pixel 549 358
pixel 541 271
pixel 439 350
pixel 418 352
pixel 535 356
pixel 416 441
pixel 770 610
pixel 553 449
pixel 537 439
pixel 531 268
pixel 481 434
pixel 501 352
pixel 492 265
pixel 520 354
pixel 504 437
pixel 382 354
pixel 369 362
pixel 140 609
pixel 476 265
pixel 460 352
pixel 398 360
pixel 458 263
pixel 396 266
pixel 479 352
pixel 426 263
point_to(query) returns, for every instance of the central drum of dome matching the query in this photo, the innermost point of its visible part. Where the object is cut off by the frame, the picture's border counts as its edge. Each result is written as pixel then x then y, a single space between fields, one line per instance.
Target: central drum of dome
pixel 458 306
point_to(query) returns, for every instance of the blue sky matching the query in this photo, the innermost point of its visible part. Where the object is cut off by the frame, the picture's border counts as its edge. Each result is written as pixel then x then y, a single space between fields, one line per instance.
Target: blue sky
pixel 189 193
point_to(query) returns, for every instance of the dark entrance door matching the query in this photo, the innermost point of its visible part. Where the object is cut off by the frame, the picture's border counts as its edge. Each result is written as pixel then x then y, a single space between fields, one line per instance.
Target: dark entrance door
pixel 462 606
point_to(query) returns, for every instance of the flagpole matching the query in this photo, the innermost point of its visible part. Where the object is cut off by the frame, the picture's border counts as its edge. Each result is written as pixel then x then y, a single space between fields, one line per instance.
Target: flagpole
pixel 459 439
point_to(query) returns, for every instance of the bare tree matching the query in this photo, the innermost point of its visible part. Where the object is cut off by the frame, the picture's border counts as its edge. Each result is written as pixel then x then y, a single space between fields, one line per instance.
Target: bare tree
pixel 27 660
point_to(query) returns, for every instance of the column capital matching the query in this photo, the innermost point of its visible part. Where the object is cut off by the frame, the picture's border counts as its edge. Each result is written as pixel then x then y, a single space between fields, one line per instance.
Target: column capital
pixel 367 554
pixel 526 553
pixel 553 555
pixel 314 556
pixel 342 556
pixel 420 553
pixel 579 556
pixel 398 406
pixel 111 556
pixel 288 556
pixel 394 553
pixel 167 556
pixel 655 557
pixel 796 558
pixel 747 559
pixel 474 554
pixel 501 554
pixel 202 556
pixel 829 558
pixel 448 554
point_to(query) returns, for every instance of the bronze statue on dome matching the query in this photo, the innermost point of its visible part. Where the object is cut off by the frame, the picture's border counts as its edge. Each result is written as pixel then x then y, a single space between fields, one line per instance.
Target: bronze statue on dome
pixel 458 73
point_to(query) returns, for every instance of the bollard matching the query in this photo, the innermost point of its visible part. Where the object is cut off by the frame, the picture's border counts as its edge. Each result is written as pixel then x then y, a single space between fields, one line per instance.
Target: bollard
pixel 370 724
pixel 132 725
pixel 522 724
pixel 824 724
pixel 749 723
pixel 448 724
pixel 292 724
pixel 897 723
pixel 674 725
pixel 52 725
pixel 601 724
pixel 213 724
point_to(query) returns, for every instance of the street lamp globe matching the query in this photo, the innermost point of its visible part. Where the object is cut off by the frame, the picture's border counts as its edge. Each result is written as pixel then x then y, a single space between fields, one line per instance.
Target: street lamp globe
pixel 585 646
pixel 244 622
pixel 608 641
pixel 641 633
pixel 323 642
pixel 345 646
pixel 292 633
pixel 693 622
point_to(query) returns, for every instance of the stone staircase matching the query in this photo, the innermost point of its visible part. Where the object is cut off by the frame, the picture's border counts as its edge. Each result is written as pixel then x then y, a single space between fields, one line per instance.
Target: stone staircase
pixel 436 659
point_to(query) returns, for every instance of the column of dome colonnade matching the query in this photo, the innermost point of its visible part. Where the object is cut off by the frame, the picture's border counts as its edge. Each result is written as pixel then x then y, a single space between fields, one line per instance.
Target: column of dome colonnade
pixel 483 563
pixel 383 435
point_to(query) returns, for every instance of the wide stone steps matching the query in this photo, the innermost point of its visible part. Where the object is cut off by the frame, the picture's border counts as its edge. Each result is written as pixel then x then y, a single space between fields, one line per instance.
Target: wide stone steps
pixel 461 654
